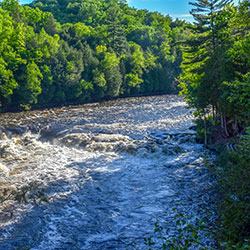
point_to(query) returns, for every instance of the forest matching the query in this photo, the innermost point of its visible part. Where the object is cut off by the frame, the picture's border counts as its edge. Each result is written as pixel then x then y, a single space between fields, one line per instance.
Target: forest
pixel 59 52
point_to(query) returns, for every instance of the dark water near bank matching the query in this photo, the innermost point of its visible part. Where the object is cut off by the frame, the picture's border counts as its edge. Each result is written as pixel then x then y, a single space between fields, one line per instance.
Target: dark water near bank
pixel 109 172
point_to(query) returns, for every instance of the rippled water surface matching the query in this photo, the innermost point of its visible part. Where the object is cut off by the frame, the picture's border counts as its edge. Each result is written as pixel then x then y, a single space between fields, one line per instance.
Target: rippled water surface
pixel 108 172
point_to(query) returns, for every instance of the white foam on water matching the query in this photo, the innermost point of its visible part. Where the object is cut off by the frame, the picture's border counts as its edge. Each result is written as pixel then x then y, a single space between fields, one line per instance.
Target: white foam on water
pixel 109 173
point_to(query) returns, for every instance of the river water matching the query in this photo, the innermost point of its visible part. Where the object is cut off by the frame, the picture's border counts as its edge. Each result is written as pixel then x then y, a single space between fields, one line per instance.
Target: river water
pixel 99 176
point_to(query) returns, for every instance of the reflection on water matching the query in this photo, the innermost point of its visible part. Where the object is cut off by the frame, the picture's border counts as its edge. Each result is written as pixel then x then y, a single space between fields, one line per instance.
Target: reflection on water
pixel 108 171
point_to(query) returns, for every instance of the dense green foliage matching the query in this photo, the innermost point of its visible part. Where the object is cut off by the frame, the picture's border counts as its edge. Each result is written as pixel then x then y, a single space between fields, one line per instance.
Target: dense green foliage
pixel 59 52
pixel 216 64
pixel 216 82
pixel 234 179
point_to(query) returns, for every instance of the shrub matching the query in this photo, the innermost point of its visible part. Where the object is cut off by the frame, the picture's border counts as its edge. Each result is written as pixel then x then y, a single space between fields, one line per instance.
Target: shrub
pixel 234 183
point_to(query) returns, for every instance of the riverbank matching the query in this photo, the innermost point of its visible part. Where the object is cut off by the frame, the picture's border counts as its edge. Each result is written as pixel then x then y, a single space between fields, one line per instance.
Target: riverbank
pixel 232 172
pixel 233 175
pixel 40 107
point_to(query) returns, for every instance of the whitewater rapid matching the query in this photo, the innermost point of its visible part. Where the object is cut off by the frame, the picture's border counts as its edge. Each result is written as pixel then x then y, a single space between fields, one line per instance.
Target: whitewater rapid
pixel 98 176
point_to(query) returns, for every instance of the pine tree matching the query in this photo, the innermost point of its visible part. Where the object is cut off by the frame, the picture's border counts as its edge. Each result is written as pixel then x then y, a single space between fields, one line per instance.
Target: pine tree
pixel 204 54
pixel 117 38
pixel 204 64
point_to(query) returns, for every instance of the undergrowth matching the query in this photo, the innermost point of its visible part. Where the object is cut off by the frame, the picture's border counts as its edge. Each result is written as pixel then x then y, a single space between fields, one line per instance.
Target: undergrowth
pixel 233 174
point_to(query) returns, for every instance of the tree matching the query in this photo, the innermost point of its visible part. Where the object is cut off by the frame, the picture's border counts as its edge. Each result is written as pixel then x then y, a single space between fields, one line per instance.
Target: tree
pixel 31 88
pixel 12 45
pixel 116 37
pixel 237 90
pixel 110 66
pixel 205 58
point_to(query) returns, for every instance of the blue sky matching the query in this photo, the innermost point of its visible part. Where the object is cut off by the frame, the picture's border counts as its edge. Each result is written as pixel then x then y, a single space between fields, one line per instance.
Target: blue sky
pixel 175 8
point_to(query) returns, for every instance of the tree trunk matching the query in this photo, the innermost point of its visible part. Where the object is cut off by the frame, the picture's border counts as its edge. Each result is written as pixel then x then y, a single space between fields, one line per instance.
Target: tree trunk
pixel 205 130
pixel 225 126
pixel 221 120
pixel 235 127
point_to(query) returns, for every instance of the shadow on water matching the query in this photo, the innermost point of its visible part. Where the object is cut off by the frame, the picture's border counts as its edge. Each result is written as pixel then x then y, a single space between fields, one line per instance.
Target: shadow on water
pixel 69 203
pixel 90 213
pixel 101 197
pixel 107 206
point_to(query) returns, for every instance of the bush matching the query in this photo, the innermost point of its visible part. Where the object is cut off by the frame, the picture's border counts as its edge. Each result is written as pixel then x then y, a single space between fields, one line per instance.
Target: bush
pixel 234 183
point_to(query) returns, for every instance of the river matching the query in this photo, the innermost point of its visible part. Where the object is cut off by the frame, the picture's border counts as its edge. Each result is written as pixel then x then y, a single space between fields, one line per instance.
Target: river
pixel 98 176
